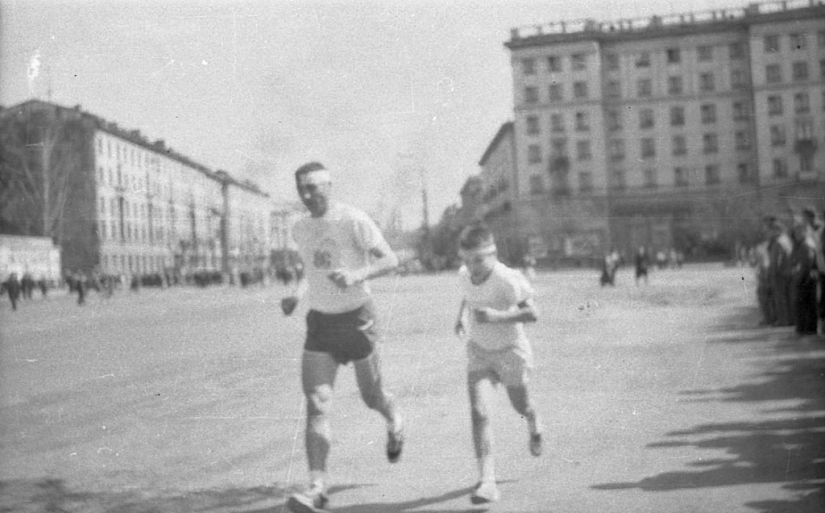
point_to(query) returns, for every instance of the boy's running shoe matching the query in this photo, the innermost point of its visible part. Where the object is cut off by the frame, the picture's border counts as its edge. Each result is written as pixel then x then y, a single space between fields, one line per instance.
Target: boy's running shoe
pixel 535 444
pixel 314 500
pixel 486 491
pixel 395 444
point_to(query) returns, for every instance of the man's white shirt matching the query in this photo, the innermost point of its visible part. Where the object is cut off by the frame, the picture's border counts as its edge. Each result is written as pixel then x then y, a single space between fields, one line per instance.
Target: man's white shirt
pixel 341 239
pixel 503 290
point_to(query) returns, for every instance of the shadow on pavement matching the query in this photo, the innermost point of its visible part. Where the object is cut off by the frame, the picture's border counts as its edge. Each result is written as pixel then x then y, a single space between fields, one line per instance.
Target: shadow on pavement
pixel 54 495
pixel 789 450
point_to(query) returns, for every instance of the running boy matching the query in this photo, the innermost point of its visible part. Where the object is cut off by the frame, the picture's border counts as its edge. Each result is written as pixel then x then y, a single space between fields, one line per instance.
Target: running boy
pixel 499 301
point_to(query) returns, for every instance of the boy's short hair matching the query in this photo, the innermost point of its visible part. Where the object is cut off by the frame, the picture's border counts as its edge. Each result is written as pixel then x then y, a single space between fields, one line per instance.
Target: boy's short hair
pixel 308 168
pixel 475 236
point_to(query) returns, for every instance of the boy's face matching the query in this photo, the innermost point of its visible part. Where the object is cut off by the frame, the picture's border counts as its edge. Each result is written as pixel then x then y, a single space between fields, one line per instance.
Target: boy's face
pixel 479 262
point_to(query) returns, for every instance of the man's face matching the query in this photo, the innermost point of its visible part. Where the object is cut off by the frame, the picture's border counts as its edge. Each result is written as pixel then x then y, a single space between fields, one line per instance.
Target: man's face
pixel 315 189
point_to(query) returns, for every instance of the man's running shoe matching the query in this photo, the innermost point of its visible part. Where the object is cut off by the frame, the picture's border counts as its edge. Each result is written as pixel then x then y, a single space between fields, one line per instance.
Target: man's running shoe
pixel 486 491
pixel 314 500
pixel 535 444
pixel 395 444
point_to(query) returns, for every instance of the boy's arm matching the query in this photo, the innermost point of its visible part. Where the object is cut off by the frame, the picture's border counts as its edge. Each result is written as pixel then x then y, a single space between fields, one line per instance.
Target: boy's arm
pixel 459 323
pixel 526 312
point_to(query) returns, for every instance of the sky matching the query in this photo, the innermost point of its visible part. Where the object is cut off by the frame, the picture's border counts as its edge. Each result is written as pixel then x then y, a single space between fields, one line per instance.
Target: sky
pixel 389 94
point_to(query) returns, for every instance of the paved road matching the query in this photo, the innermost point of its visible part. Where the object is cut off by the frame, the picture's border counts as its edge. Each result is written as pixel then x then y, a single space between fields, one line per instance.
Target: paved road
pixel 663 398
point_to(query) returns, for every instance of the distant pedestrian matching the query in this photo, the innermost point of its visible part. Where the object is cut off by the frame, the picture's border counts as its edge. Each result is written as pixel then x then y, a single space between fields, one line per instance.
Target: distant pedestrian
pixel 803 286
pixel 780 273
pixel 27 286
pixel 642 262
pixel 80 285
pixel 12 286
pixel 43 286
pixel 499 301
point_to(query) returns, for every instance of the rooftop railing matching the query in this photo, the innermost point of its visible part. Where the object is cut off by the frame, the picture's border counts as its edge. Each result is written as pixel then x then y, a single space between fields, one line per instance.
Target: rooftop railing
pixel 658 22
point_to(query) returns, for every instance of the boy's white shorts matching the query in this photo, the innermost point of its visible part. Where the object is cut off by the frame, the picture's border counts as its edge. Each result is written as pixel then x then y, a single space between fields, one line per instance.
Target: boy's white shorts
pixel 511 367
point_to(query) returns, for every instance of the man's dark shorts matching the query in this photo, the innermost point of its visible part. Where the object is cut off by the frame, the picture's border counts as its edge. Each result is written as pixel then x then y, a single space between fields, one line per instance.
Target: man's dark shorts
pixel 346 336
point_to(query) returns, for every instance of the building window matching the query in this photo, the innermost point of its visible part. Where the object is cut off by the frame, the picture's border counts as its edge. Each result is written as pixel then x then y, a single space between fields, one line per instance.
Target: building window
pixel 679 145
pixel 710 143
pixel 585 181
pixel 740 111
pixel 774 105
pixel 680 177
pixel 556 93
pixel 706 83
pixel 773 73
pixel 617 180
pixel 806 162
pixel 582 123
pixel 650 178
pixel 612 61
pixel 532 125
pixel 674 85
pixel 643 60
pixel 553 64
pixel 743 142
pixel 580 90
pixel 743 173
pixel 648 148
pixel 738 79
pixel 528 66
pixel 677 116
pixel 644 87
pixel 646 119
pixel 557 122
pixel 536 184
pixel 616 149
pixel 778 137
pixel 798 41
pixel 800 71
pixel 712 174
pixel 583 150
pixel 804 129
pixel 534 154
pixel 705 53
pixel 771 44
pixel 531 95
pixel 614 119
pixel 674 56
pixel 613 89
pixel 559 147
pixel 801 103
pixel 708 113
pixel 578 61
pixel 736 51
pixel 780 168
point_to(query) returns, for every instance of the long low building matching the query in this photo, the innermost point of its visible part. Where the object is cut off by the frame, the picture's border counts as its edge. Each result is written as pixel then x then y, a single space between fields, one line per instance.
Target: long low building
pixel 117 203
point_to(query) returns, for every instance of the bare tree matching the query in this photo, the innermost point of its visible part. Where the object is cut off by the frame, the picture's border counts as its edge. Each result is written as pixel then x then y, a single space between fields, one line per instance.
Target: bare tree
pixel 37 157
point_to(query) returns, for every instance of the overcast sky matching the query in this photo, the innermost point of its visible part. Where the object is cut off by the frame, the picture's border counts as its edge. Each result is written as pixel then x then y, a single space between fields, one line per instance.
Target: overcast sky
pixel 258 87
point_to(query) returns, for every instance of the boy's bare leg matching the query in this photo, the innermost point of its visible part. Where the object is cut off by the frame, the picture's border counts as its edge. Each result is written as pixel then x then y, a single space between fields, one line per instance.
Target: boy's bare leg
pixel 520 399
pixel 318 371
pixel 478 387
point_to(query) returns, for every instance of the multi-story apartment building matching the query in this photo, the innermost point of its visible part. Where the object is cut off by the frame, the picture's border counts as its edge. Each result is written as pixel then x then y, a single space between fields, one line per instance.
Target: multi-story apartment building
pixel 669 131
pixel 120 204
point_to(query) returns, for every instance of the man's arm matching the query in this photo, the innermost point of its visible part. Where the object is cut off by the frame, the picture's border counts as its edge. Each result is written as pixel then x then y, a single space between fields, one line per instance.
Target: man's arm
pixel 381 262
pixel 289 303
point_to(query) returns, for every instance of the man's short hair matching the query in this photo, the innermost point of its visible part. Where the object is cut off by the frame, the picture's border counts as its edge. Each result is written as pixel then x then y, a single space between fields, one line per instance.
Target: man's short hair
pixel 308 168
pixel 475 236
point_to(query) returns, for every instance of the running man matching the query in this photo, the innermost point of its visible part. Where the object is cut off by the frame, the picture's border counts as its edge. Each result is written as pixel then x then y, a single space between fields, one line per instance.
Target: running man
pixel 341 248
pixel 499 300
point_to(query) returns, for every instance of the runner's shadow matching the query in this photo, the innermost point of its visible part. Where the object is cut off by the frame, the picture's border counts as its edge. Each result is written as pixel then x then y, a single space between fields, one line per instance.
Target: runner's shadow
pixel 411 506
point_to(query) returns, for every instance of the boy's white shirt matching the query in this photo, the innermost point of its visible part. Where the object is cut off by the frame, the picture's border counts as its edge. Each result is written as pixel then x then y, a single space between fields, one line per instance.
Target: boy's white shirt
pixel 340 239
pixel 503 290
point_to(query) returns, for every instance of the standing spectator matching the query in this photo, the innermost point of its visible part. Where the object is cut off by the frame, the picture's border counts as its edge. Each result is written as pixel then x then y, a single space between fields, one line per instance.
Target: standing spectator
pixel 764 291
pixel 803 288
pixel 642 263
pixel 43 286
pixel 27 286
pixel 779 249
pixel 342 249
pixel 12 286
pixel 80 285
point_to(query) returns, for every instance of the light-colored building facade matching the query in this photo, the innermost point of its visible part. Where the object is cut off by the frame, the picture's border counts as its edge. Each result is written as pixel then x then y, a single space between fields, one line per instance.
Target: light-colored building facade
pixel 128 206
pixel 666 131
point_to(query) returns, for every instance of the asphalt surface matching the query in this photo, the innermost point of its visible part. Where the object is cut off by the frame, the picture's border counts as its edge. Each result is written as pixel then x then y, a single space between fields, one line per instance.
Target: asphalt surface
pixel 659 398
